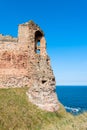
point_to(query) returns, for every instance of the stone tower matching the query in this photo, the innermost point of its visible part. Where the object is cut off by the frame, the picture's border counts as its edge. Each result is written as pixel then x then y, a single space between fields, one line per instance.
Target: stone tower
pixel 42 90
pixel 24 62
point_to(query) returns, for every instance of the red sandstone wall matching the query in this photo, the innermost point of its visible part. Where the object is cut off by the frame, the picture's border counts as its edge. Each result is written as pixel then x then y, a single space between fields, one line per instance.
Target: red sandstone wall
pixel 13 60
pixel 18 58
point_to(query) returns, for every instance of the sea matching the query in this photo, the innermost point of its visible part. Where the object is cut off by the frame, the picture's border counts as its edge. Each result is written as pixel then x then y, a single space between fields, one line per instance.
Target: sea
pixel 74 98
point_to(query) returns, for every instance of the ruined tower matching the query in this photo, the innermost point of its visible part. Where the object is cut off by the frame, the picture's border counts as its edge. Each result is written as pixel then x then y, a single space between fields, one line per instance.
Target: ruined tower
pixel 24 62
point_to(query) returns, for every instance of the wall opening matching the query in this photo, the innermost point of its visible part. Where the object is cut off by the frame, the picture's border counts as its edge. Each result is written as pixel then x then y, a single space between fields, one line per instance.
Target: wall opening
pixel 44 81
pixel 37 51
pixel 38 36
pixel 38 43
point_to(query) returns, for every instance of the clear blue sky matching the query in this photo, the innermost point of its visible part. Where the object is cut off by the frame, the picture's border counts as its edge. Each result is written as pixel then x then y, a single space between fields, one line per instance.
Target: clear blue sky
pixel 65 25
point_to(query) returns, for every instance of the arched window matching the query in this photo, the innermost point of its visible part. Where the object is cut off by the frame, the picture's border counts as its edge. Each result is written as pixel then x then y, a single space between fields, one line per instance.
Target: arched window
pixel 38 36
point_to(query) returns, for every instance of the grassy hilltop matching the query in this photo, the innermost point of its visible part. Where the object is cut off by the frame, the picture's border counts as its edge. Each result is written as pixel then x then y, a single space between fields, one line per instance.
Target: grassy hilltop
pixel 17 113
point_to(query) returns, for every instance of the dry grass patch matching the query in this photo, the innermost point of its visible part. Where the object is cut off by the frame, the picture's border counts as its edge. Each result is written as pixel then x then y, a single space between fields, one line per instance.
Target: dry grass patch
pixel 17 113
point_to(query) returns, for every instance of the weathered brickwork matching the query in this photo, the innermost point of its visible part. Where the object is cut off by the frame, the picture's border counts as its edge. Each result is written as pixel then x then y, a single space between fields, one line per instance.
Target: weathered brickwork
pixel 24 62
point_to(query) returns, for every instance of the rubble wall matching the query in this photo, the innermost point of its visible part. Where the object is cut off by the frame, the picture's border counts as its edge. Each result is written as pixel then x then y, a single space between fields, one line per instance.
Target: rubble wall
pixel 13 63
pixel 25 62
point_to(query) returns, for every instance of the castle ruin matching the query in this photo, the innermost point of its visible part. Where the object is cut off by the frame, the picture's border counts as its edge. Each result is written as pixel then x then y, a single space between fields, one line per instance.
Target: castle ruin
pixel 24 62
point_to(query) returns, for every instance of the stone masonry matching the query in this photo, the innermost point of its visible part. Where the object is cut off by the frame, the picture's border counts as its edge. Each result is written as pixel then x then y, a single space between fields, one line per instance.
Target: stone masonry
pixel 24 62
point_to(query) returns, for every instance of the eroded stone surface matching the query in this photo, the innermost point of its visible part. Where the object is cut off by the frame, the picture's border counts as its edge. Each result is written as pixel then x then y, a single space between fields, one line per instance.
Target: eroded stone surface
pixel 42 92
pixel 24 62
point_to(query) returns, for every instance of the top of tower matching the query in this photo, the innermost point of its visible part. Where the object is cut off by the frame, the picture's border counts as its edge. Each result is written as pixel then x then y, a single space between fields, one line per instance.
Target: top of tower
pixel 32 25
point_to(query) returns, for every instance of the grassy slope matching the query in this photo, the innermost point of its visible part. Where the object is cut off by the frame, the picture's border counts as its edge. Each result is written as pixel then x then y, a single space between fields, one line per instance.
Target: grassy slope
pixel 17 113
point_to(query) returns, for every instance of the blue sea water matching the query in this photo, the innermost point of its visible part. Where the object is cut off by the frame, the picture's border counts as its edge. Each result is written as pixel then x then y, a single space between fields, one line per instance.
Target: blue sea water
pixel 74 98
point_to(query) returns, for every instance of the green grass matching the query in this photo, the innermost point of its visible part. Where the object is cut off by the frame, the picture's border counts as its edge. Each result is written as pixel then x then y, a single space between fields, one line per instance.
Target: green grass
pixel 17 113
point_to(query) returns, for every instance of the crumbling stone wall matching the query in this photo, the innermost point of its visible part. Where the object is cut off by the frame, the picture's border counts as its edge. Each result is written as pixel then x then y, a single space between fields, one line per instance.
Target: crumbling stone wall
pixel 13 63
pixel 24 62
